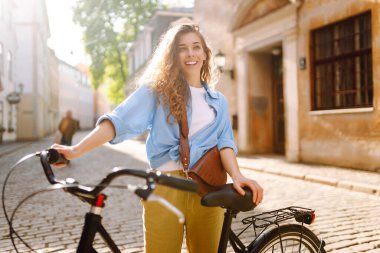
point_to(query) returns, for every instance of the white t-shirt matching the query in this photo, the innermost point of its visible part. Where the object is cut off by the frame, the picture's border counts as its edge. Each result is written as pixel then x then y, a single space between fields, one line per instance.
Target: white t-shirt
pixel 202 116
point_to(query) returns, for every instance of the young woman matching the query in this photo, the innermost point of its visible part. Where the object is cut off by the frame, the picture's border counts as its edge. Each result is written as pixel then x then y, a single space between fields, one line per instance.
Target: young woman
pixel 176 81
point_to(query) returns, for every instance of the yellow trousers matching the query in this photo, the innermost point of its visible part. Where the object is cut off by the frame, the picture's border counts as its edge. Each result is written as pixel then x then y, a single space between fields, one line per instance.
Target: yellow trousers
pixel 164 234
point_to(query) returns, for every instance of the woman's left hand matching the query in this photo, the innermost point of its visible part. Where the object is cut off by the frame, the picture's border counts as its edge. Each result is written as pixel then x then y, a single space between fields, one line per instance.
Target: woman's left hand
pixel 257 191
pixel 230 164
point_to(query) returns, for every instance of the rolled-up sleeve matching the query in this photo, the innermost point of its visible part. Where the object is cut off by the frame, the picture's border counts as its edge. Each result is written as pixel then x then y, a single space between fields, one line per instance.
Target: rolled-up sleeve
pixel 133 116
pixel 226 137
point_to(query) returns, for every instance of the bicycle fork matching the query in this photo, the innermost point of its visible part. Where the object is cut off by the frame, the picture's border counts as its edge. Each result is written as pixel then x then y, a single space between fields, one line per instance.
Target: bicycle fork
pixel 93 225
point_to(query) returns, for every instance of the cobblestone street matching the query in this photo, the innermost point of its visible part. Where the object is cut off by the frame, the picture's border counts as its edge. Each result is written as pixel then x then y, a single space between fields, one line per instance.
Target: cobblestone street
pixel 347 220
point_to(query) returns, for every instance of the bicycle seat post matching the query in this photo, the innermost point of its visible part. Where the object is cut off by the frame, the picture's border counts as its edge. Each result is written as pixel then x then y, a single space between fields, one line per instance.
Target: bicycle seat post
pixel 228 215
pixel 91 225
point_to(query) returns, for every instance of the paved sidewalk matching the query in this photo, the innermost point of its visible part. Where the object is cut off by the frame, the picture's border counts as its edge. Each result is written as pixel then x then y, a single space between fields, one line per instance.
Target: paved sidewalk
pixel 355 180
pixel 9 147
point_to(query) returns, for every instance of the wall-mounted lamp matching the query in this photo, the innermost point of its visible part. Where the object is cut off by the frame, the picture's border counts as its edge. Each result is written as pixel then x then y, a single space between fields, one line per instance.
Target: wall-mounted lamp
pixel 276 51
pixel 302 63
pixel 15 96
pixel 220 62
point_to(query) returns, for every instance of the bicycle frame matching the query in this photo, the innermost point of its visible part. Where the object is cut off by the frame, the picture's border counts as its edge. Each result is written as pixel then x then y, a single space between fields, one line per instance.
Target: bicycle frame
pixel 93 225
pixel 228 234
pixel 95 198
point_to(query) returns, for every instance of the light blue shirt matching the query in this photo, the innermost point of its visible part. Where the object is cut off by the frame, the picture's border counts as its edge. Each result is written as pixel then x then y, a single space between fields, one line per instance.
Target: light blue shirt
pixel 140 112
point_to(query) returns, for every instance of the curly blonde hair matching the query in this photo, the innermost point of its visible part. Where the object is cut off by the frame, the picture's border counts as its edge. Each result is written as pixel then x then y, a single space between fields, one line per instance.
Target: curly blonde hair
pixel 164 75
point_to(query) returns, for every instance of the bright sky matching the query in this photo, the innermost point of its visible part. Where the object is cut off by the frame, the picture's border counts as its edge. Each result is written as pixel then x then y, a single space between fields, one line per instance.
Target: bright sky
pixel 66 37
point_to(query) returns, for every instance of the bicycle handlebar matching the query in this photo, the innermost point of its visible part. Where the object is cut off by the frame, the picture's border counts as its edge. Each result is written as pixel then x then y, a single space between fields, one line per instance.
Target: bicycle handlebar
pixel 52 156
pixel 48 157
pixel 55 157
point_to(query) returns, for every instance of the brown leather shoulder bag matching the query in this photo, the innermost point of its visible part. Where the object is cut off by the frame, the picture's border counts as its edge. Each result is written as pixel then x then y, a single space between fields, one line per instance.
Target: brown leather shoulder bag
pixel 208 171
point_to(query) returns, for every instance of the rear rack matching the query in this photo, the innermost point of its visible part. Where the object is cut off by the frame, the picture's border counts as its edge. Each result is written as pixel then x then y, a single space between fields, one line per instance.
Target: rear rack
pixel 263 220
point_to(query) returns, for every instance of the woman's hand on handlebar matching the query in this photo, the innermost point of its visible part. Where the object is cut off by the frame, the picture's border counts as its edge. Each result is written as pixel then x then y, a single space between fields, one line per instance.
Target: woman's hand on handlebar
pixel 101 134
pixel 69 152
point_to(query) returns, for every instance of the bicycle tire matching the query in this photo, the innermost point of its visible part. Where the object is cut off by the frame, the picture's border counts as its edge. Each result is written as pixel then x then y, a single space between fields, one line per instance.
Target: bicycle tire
pixel 290 240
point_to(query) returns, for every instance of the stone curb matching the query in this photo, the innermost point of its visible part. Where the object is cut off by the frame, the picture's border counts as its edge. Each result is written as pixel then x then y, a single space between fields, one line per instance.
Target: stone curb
pixel 349 185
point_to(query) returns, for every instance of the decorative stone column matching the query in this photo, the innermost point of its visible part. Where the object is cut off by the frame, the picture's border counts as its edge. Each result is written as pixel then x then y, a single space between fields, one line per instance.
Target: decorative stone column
pixel 242 100
pixel 290 60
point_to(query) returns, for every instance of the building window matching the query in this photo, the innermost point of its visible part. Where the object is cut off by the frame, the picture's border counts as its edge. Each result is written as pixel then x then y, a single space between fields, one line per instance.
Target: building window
pixel 342 64
pixel 9 65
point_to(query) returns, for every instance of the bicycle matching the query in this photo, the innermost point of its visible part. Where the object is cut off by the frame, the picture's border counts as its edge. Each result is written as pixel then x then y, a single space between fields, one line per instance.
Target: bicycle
pixel 271 234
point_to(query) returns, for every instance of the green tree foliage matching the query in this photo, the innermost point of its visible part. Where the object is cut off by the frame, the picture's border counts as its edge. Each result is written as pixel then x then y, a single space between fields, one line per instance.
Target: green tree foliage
pixel 109 25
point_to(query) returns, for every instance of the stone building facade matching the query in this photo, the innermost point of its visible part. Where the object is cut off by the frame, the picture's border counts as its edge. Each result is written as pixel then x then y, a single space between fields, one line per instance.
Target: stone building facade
pixel 8 85
pixel 76 94
pixel 52 117
pixel 306 76
pixel 36 88
pixel 31 68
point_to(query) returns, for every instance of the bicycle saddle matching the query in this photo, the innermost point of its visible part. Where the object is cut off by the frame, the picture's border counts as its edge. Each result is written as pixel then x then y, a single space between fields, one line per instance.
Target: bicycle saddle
pixel 227 197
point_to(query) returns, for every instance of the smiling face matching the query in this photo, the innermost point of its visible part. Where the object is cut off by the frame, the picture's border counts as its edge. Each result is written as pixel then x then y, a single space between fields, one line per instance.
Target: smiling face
pixel 191 56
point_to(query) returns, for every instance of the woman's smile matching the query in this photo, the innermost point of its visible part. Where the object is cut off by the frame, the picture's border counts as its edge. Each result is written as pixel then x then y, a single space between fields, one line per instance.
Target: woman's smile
pixel 191 62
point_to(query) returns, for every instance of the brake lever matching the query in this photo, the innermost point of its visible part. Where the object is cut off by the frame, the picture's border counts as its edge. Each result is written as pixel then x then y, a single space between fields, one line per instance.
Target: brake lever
pixel 168 205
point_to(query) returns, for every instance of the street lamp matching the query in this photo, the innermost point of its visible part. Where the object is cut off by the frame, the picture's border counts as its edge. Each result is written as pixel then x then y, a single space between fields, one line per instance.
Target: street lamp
pixel 13 98
pixel 220 62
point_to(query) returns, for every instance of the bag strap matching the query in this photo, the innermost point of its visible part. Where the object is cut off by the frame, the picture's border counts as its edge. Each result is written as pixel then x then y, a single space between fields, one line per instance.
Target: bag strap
pixel 184 142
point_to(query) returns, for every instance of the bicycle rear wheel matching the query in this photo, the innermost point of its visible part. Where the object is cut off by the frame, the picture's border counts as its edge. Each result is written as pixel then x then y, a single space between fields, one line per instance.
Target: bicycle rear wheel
pixel 289 241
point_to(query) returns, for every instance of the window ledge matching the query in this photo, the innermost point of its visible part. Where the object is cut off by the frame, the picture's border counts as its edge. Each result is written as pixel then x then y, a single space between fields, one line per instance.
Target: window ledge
pixel 342 111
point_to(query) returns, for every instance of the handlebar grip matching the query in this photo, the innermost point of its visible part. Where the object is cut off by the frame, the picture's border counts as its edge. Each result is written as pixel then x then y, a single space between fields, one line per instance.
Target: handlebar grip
pixel 55 157
pixel 178 183
pixel 45 162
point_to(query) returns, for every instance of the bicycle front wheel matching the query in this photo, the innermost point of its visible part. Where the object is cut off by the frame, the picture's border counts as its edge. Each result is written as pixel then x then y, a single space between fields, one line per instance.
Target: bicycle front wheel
pixel 287 239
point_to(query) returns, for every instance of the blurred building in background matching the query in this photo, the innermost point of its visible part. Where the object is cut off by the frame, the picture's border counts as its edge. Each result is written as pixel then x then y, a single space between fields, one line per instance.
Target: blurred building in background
pixel 31 68
pixel 53 116
pixel 36 88
pixel 75 93
pixel 8 84
pixel 301 76
pixel 141 50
